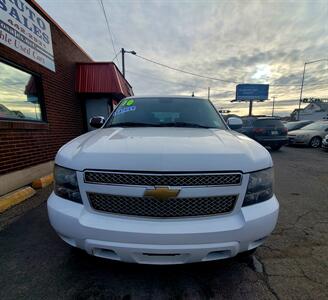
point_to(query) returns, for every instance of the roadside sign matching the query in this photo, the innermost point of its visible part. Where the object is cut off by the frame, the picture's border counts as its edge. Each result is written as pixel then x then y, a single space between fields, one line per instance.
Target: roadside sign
pixel 247 92
pixel 24 30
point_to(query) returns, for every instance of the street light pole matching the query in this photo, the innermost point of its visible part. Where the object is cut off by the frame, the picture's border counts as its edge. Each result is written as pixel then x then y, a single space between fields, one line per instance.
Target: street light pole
pixel 302 85
pixel 123 51
pixel 123 63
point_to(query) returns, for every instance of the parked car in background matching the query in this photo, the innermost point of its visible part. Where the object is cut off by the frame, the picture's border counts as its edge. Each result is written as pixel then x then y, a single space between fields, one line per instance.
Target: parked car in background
pixel 297 124
pixel 247 125
pixel 310 135
pixel 268 131
pixel 324 143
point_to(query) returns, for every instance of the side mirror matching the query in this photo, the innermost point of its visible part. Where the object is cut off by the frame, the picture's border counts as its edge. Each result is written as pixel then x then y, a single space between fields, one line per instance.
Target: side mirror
pixel 97 121
pixel 235 123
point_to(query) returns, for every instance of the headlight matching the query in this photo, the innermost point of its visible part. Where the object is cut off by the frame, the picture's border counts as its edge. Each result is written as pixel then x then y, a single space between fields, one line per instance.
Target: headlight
pixel 66 185
pixel 260 187
pixel 302 136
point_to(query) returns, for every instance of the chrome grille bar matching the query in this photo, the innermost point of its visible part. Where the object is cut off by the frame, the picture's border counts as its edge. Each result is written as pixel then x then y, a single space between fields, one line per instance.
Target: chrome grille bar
pixel 145 179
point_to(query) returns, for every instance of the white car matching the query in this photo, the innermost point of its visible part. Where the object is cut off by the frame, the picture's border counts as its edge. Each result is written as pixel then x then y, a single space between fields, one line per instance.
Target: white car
pixel 163 181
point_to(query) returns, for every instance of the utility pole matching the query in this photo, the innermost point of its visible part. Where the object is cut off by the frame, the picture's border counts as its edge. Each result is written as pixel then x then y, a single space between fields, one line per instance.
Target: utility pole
pixel 273 98
pixel 123 51
pixel 208 93
pixel 301 94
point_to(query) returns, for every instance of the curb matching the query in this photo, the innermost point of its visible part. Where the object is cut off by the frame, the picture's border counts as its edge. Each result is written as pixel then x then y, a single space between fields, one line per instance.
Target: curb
pixel 15 197
pixel 43 181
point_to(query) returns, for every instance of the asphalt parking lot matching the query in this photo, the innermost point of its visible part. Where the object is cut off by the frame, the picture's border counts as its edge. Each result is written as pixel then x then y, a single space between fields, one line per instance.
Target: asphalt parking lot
pixel 293 263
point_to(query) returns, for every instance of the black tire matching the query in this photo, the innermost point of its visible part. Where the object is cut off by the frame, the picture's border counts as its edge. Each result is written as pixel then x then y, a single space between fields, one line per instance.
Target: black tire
pixel 315 142
pixel 275 147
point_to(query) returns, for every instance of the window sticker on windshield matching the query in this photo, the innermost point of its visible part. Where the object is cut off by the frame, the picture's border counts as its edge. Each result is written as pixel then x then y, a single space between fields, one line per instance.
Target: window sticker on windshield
pixel 128 102
pixel 124 110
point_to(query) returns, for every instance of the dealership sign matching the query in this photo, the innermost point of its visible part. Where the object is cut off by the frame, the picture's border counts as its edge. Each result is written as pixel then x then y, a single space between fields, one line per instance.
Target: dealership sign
pixel 247 92
pixel 27 32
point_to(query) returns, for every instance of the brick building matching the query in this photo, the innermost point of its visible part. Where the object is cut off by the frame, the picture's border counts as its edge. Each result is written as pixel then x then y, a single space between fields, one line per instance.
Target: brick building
pixel 43 102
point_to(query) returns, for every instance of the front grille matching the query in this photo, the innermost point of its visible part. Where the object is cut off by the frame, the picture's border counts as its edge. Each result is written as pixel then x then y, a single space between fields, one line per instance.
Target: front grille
pixel 151 207
pixel 162 180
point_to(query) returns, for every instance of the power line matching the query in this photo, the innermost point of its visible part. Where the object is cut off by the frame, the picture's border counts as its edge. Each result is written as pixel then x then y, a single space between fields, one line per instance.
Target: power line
pixel 297 84
pixel 116 55
pixel 187 85
pixel 209 77
pixel 108 27
pixel 186 72
pixel 174 82
pixel 163 80
pixel 195 86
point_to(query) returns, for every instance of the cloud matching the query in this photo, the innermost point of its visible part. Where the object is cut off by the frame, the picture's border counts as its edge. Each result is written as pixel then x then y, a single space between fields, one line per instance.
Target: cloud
pixel 261 41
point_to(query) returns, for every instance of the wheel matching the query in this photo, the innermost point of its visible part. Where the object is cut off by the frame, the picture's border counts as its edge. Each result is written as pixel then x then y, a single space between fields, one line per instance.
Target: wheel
pixel 275 147
pixel 315 142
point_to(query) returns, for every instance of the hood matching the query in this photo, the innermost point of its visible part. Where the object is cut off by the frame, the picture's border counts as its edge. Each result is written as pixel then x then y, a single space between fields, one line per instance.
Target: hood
pixel 164 150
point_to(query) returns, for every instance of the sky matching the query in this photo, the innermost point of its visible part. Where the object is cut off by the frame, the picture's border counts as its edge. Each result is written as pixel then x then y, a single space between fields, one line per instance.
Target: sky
pixel 244 41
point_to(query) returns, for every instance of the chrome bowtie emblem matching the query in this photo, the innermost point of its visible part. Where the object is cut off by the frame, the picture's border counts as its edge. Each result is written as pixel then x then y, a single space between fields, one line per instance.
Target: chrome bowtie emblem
pixel 162 193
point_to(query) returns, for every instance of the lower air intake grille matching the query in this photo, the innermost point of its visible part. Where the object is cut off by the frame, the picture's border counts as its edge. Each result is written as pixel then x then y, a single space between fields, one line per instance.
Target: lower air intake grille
pixel 152 207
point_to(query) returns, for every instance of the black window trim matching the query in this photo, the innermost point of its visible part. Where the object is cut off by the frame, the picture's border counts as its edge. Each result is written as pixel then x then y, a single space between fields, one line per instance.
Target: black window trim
pixel 40 93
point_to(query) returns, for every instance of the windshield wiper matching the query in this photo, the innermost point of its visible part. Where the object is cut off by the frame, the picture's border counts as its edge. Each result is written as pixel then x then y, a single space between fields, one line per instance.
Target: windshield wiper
pixel 133 124
pixel 170 124
pixel 183 124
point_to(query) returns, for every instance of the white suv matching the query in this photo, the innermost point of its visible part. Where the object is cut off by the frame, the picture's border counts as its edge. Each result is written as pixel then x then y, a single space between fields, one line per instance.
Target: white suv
pixel 163 181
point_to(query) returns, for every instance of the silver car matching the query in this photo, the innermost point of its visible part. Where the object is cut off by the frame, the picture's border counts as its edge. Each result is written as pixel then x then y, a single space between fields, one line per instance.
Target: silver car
pixel 310 135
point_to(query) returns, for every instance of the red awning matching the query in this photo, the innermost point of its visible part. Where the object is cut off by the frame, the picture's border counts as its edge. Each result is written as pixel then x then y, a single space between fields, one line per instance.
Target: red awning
pixel 103 77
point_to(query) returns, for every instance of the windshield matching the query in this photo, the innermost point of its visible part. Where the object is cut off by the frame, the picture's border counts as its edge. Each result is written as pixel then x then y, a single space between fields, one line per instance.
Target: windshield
pixel 316 126
pixel 291 126
pixel 165 112
pixel 295 125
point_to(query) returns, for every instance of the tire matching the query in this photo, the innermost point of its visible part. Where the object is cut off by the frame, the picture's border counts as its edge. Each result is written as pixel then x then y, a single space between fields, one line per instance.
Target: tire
pixel 315 142
pixel 275 147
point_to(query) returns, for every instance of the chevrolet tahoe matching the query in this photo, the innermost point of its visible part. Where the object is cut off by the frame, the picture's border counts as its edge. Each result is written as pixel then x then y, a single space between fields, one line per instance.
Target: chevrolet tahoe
pixel 164 180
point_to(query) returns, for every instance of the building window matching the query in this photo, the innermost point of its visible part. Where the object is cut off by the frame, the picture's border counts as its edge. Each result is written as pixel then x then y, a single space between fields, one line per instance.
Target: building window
pixel 19 94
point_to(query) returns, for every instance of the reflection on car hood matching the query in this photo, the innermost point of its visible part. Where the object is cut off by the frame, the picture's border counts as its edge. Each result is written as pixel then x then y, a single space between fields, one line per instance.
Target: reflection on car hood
pixel 164 150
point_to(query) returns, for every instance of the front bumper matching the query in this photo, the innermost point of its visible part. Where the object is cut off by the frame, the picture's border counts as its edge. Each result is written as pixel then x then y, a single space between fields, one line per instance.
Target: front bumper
pixel 324 144
pixel 270 141
pixel 295 140
pixel 162 241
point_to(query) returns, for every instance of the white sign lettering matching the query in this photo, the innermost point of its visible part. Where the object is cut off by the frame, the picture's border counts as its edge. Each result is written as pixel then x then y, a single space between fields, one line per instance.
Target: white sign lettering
pixel 27 32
